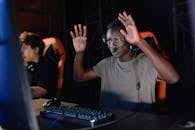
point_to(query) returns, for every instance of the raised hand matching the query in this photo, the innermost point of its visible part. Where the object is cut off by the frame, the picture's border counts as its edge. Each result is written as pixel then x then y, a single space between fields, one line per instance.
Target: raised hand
pixel 79 37
pixel 131 34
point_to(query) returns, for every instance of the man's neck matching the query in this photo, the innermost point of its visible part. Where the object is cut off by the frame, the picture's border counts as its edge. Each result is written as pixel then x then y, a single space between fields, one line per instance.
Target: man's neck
pixel 129 56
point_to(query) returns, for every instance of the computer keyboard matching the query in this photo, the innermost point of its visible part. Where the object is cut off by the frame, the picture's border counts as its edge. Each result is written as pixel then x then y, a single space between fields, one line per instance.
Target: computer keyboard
pixel 77 115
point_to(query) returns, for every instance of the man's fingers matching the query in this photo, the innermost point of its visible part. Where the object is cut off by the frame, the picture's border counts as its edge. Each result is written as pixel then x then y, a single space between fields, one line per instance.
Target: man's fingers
pixel 80 30
pixel 123 17
pixel 123 32
pixel 72 34
pixel 76 30
pixel 84 31
pixel 131 19
pixel 120 19
pixel 79 33
pixel 125 14
pixel 126 19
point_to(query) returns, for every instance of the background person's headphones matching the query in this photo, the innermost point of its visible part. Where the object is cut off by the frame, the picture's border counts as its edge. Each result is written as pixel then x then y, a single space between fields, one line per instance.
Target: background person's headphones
pixel 31 66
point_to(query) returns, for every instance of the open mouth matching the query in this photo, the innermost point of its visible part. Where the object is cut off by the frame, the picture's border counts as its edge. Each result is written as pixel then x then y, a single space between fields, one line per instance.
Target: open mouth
pixel 114 50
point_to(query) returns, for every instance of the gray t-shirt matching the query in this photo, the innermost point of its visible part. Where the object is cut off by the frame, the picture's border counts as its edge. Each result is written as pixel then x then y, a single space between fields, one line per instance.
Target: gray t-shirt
pixel 126 82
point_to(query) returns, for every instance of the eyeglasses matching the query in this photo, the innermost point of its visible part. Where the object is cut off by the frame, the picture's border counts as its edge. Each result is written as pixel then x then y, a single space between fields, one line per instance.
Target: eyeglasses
pixel 115 41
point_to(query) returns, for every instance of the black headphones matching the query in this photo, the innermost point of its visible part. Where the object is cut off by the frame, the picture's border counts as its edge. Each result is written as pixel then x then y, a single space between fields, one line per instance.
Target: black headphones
pixel 134 48
pixel 31 66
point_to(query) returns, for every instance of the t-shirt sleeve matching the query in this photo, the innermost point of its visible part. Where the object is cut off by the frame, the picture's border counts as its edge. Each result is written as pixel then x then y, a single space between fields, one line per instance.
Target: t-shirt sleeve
pixel 99 67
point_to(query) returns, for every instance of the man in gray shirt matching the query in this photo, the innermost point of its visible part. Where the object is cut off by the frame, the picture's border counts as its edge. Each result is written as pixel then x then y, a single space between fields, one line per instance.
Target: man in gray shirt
pixel 127 77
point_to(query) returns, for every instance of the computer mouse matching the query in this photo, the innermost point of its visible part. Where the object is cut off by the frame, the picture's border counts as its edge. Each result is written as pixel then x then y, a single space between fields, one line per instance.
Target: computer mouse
pixel 183 125
pixel 187 124
pixel 52 102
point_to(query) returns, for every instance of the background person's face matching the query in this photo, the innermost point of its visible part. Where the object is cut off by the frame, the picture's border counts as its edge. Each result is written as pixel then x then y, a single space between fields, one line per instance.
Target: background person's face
pixel 28 53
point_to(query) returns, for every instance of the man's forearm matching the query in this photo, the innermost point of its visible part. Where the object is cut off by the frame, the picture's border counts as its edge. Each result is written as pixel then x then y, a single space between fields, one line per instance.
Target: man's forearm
pixel 78 69
pixel 165 70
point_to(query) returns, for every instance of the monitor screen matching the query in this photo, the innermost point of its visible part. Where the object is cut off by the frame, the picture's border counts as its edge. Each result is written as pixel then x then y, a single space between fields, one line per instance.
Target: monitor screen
pixel 16 110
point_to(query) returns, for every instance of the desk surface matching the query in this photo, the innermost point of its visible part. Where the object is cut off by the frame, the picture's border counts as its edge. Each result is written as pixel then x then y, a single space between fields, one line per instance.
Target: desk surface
pixel 123 120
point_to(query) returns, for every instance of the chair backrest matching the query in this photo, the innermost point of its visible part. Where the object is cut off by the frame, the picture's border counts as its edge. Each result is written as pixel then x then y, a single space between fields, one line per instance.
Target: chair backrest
pixel 58 47
pixel 160 84
pixel 147 34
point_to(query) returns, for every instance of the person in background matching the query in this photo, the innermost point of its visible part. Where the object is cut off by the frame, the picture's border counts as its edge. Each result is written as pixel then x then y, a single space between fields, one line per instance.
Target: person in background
pixel 128 77
pixel 42 73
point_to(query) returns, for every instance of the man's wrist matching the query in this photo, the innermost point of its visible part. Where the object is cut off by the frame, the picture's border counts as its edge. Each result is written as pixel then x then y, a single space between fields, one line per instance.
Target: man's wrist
pixel 80 53
pixel 140 42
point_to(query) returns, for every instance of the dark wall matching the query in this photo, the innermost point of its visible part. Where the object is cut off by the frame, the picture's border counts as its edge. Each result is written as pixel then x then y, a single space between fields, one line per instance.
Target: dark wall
pixel 41 17
pixel 157 16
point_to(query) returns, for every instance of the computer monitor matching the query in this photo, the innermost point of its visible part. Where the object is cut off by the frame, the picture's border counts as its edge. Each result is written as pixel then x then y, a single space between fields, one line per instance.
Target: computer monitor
pixel 16 110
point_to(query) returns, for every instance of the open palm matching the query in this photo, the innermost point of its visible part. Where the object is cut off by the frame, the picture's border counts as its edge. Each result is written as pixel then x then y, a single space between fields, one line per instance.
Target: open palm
pixel 79 37
pixel 131 34
pixel 79 43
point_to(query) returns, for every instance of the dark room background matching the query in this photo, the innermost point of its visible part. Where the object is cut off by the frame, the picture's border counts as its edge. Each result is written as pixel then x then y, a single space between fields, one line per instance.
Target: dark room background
pixel 169 20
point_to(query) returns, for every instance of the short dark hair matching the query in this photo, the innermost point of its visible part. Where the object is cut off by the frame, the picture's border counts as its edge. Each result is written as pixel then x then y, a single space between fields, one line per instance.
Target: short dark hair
pixel 115 24
pixel 32 39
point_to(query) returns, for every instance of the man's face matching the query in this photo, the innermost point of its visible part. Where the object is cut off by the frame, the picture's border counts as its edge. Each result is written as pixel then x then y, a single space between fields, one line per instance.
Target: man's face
pixel 28 54
pixel 116 43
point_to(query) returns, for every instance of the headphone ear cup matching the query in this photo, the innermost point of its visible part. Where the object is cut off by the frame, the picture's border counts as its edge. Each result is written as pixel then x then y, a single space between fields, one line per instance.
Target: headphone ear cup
pixel 104 38
pixel 132 47
pixel 31 66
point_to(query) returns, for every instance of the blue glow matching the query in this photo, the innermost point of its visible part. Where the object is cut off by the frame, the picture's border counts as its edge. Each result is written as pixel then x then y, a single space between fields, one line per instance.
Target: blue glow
pixel 4 21
pixel 4 73
pixel 16 110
